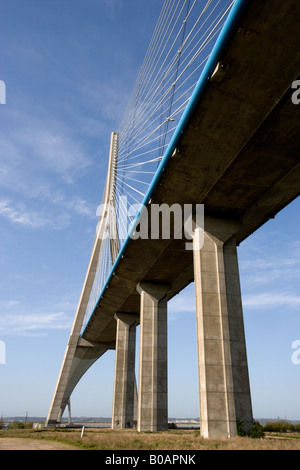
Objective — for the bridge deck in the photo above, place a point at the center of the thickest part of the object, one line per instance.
(239, 156)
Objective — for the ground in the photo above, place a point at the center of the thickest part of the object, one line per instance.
(12, 443)
(107, 439)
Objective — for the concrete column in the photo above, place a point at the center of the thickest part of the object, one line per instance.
(69, 412)
(153, 380)
(224, 389)
(124, 384)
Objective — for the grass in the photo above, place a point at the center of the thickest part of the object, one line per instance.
(107, 439)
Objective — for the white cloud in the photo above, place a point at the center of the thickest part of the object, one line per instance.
(57, 151)
(38, 156)
(28, 320)
(34, 324)
(107, 102)
(32, 145)
(10, 304)
(45, 207)
(182, 304)
(271, 299)
(113, 6)
(81, 207)
(18, 214)
(75, 204)
(266, 264)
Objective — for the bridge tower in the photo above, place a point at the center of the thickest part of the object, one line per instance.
(70, 371)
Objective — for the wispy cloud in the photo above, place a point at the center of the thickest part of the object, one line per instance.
(271, 299)
(261, 265)
(57, 198)
(32, 145)
(19, 214)
(109, 99)
(270, 273)
(34, 325)
(182, 304)
(113, 6)
(27, 320)
(57, 151)
(41, 158)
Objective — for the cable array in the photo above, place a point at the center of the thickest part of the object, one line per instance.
(180, 46)
(182, 41)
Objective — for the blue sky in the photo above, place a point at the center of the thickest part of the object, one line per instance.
(69, 67)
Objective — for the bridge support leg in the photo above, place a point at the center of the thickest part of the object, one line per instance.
(124, 384)
(153, 383)
(69, 412)
(224, 389)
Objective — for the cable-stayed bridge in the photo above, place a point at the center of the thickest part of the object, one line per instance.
(210, 124)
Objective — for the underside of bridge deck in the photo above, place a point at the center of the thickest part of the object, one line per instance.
(239, 156)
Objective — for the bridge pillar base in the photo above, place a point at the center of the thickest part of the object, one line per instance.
(153, 380)
(51, 424)
(224, 389)
(124, 384)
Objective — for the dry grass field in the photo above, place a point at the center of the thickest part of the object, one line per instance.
(189, 440)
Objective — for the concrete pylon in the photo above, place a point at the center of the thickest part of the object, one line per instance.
(124, 383)
(224, 389)
(153, 377)
(61, 394)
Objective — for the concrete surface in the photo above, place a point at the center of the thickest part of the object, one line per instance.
(224, 389)
(124, 381)
(153, 360)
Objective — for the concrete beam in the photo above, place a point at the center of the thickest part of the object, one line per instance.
(153, 380)
(224, 390)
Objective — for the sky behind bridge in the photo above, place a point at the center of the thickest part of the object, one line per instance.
(69, 67)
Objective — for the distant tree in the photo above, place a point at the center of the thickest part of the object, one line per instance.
(297, 427)
(279, 426)
(17, 424)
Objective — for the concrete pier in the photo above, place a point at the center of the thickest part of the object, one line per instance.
(124, 383)
(224, 389)
(153, 380)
